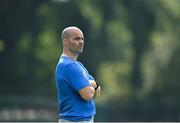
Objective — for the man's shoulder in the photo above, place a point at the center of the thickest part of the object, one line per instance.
(66, 63)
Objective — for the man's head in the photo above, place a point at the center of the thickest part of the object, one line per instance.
(73, 39)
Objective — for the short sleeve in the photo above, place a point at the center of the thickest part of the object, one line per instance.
(90, 77)
(75, 77)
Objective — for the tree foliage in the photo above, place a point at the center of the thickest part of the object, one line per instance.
(131, 47)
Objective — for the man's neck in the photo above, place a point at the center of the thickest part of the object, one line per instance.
(70, 55)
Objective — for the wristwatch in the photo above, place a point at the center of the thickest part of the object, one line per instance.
(97, 85)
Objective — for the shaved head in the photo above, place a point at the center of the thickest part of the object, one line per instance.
(72, 40)
(67, 32)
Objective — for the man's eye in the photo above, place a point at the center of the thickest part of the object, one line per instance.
(78, 38)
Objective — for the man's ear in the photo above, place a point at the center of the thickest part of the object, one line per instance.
(65, 42)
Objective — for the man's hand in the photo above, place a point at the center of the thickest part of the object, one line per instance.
(98, 92)
(94, 85)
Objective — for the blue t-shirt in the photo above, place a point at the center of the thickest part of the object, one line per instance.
(71, 77)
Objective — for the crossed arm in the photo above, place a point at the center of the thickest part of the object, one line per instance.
(89, 92)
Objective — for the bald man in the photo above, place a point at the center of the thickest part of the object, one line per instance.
(75, 86)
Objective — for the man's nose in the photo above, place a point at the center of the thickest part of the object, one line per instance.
(81, 41)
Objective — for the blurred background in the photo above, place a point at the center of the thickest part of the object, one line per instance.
(132, 48)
